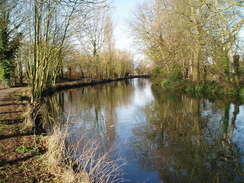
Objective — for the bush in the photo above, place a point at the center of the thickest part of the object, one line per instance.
(173, 80)
(211, 89)
(175, 76)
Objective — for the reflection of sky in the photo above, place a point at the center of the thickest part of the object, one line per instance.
(143, 96)
(130, 116)
(133, 114)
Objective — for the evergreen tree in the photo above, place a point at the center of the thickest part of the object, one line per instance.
(9, 38)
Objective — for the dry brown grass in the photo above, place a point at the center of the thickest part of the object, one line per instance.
(82, 162)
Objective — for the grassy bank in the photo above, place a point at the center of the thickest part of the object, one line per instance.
(208, 89)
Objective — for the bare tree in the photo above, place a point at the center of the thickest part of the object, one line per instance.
(189, 37)
(49, 28)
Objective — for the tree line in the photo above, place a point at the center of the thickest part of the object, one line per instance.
(42, 41)
(196, 40)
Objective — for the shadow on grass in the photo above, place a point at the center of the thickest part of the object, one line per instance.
(2, 137)
(11, 112)
(11, 104)
(4, 162)
(11, 121)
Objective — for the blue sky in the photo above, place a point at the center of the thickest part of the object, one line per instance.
(122, 15)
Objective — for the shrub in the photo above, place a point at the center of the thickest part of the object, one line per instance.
(173, 80)
(175, 76)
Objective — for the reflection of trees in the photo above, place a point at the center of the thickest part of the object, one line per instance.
(187, 141)
(93, 107)
(50, 112)
(141, 83)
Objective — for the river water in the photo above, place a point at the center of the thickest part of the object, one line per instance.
(164, 137)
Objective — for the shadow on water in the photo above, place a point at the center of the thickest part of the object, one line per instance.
(181, 139)
(189, 139)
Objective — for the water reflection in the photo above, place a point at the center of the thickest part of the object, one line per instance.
(91, 109)
(164, 137)
(189, 140)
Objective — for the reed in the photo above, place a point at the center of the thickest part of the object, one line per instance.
(82, 162)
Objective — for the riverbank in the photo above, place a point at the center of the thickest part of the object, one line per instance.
(23, 153)
(86, 82)
(208, 89)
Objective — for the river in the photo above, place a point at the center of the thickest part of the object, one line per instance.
(163, 137)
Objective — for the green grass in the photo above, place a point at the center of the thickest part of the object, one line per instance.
(25, 149)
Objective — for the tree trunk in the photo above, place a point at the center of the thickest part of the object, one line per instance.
(236, 66)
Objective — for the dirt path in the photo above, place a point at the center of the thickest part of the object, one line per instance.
(12, 106)
(8, 91)
(21, 152)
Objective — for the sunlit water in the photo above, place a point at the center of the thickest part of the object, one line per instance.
(164, 137)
